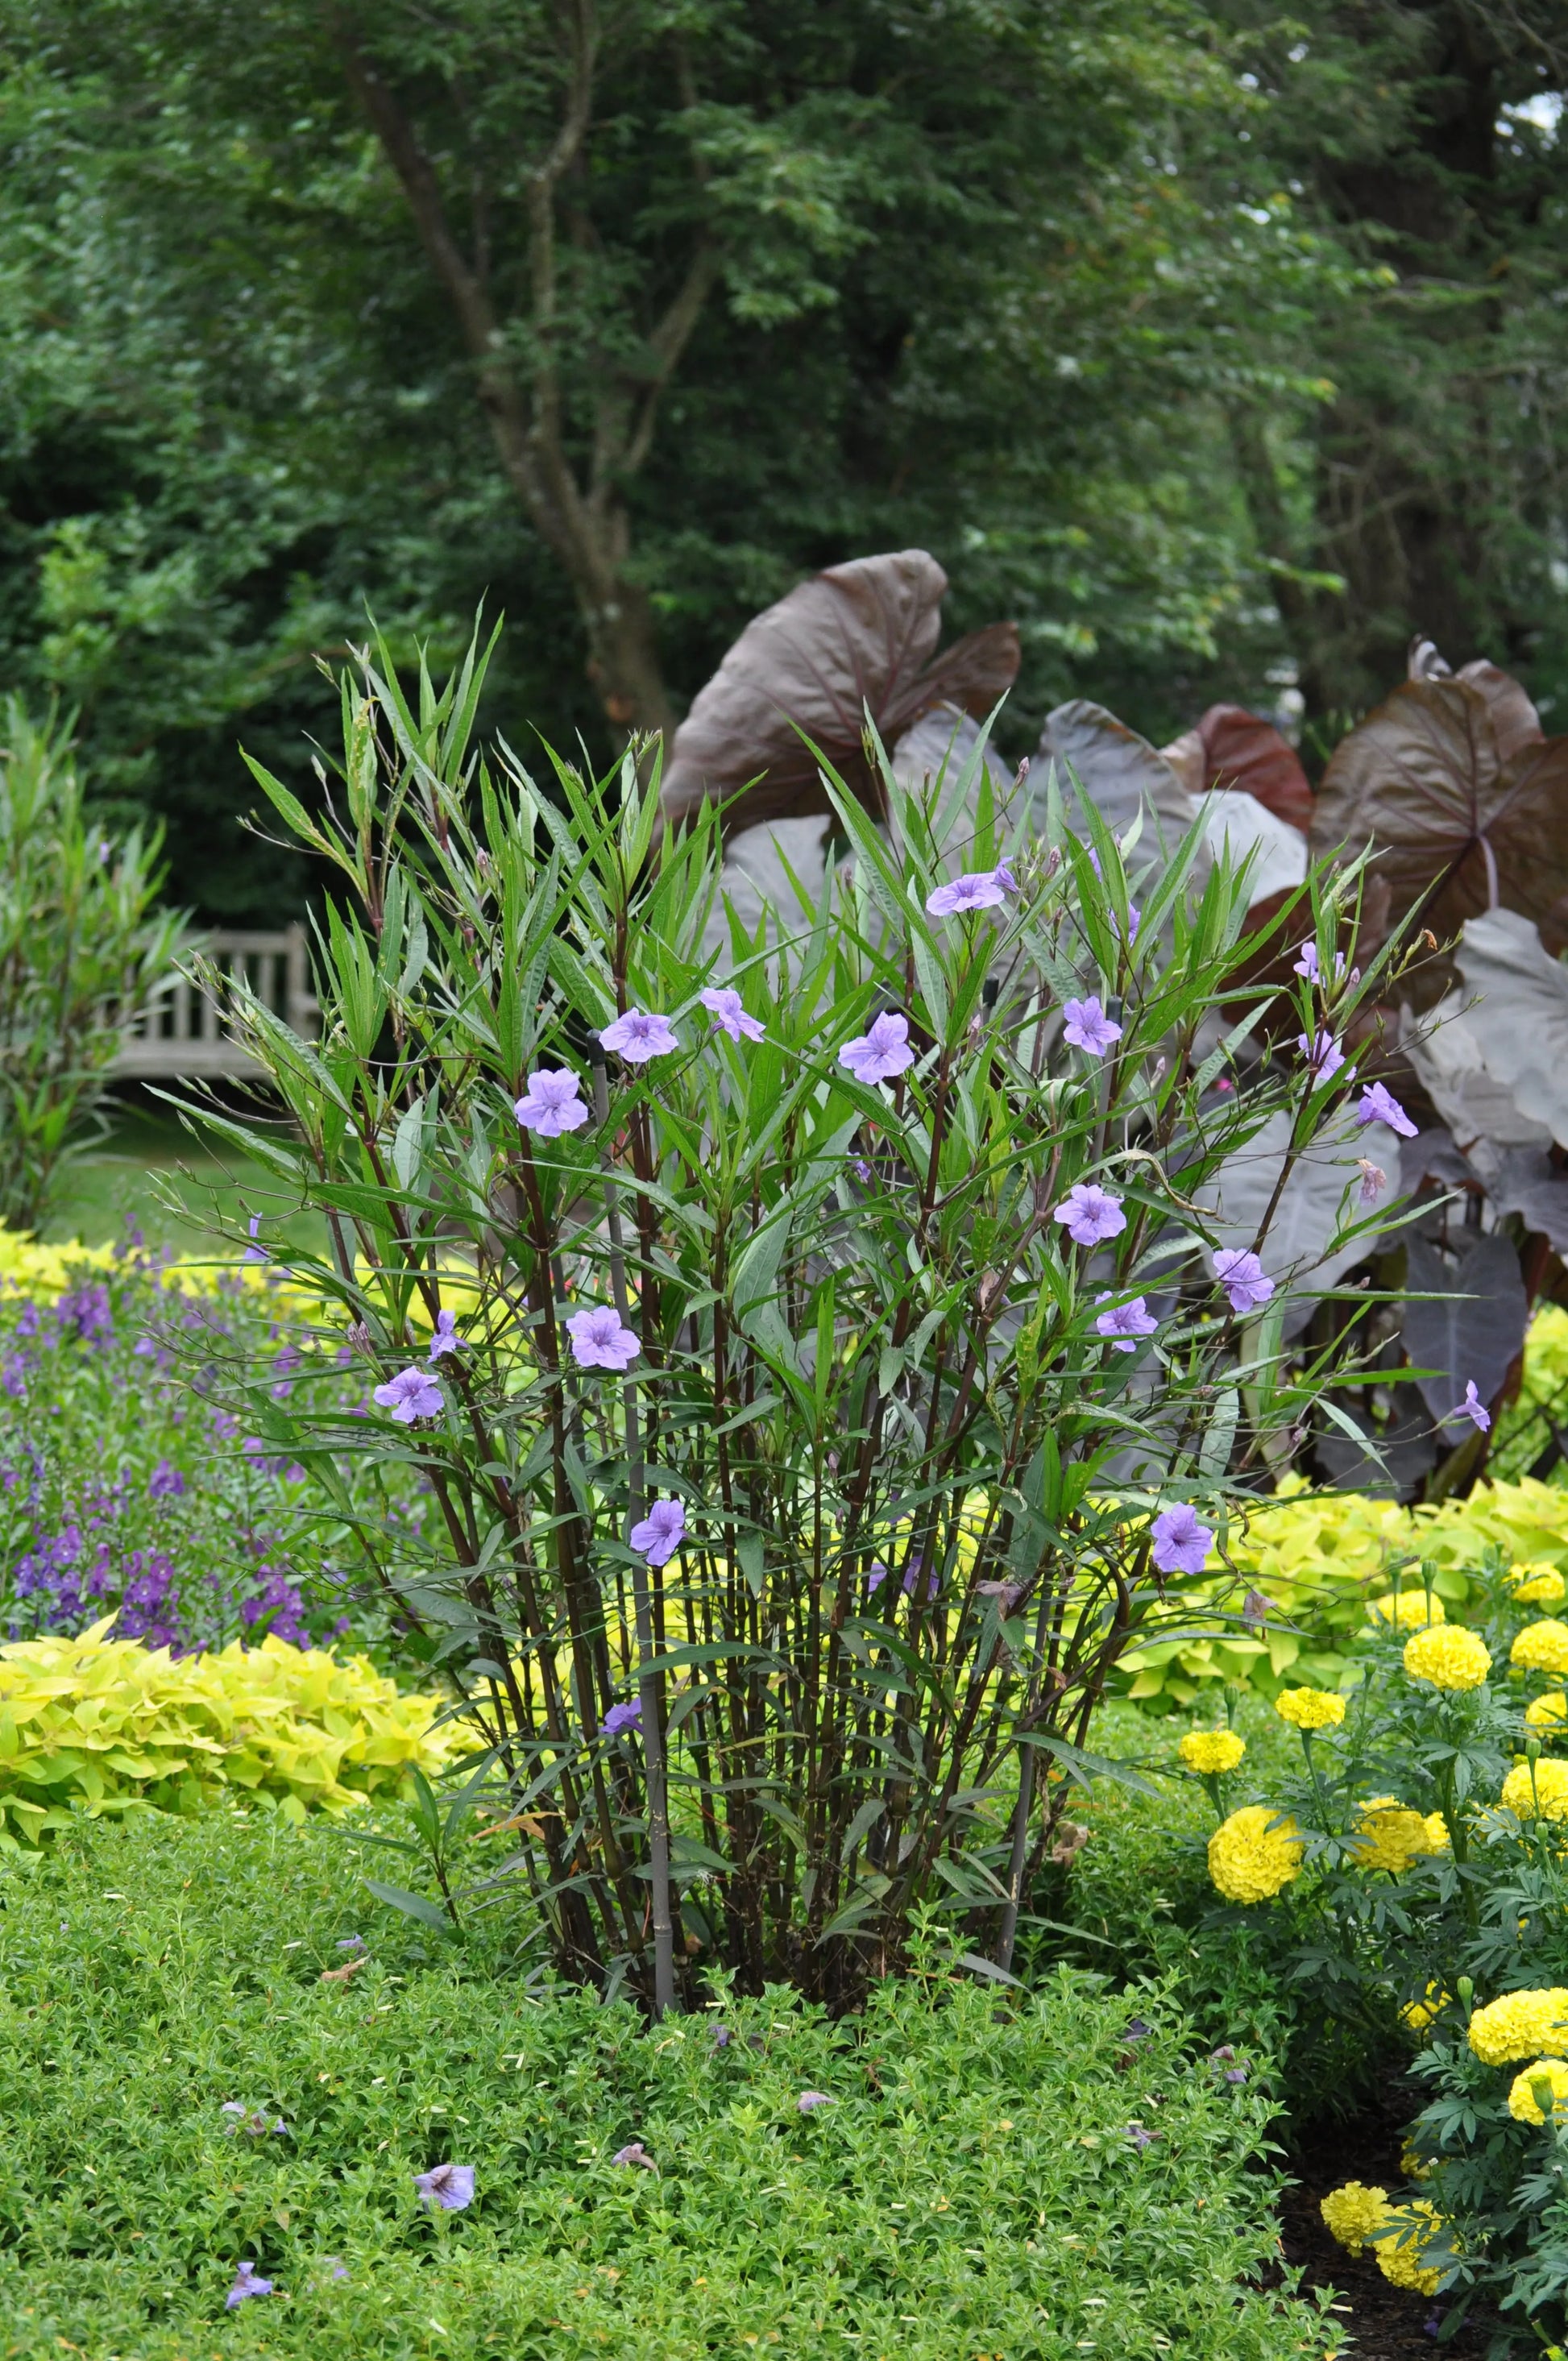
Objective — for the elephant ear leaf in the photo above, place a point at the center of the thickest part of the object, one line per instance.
(1242, 751)
(1122, 774)
(1469, 1326)
(1456, 826)
(860, 635)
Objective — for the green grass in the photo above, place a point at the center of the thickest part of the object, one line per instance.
(973, 2192)
(182, 1195)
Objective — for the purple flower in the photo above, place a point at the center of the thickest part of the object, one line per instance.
(1307, 964)
(335, 2266)
(1133, 916)
(246, 2282)
(722, 2036)
(881, 1052)
(1374, 1179)
(728, 1014)
(1244, 1278)
(627, 1715)
(977, 889)
(637, 1036)
(1235, 2074)
(351, 1942)
(635, 2153)
(413, 1393)
(1472, 1408)
(1089, 1214)
(445, 1339)
(1379, 1106)
(661, 1532)
(448, 2186)
(598, 1340)
(1124, 1323)
(1139, 2139)
(253, 1252)
(1180, 1542)
(809, 2100)
(1088, 1027)
(550, 1106)
(166, 1482)
(1324, 1055)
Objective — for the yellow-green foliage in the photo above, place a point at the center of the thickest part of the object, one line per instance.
(1316, 1558)
(101, 1725)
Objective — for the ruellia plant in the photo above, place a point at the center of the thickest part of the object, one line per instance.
(821, 1375)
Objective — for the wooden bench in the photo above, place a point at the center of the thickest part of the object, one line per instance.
(186, 1031)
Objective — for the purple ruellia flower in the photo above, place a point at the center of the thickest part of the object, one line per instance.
(637, 1036)
(1374, 1179)
(1089, 1214)
(728, 1011)
(446, 1338)
(1472, 1408)
(627, 1715)
(1181, 1541)
(166, 1482)
(1322, 1053)
(881, 1051)
(1307, 964)
(1135, 917)
(661, 1532)
(254, 1253)
(1087, 1027)
(809, 2100)
(598, 1340)
(1125, 1323)
(448, 2186)
(247, 2281)
(413, 1393)
(977, 889)
(722, 2036)
(1379, 1106)
(351, 1942)
(1244, 1278)
(635, 2153)
(550, 1106)
(1139, 2139)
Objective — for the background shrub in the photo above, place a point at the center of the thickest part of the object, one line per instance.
(80, 948)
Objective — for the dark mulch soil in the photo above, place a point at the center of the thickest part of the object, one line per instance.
(1387, 2324)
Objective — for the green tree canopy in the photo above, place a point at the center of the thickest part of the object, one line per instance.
(622, 322)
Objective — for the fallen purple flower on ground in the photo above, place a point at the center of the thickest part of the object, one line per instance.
(448, 2186)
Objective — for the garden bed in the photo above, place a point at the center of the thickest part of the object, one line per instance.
(214, 2050)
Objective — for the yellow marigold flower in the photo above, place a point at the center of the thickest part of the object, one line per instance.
(1309, 1708)
(1547, 1711)
(1401, 2258)
(1524, 2104)
(1248, 1859)
(1410, 1609)
(1448, 1656)
(1418, 2014)
(1414, 2167)
(1352, 2213)
(1207, 1751)
(1532, 1788)
(1518, 2024)
(1536, 1585)
(1389, 1835)
(1541, 1647)
(1437, 1833)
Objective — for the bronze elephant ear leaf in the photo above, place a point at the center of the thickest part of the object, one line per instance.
(1462, 801)
(860, 635)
